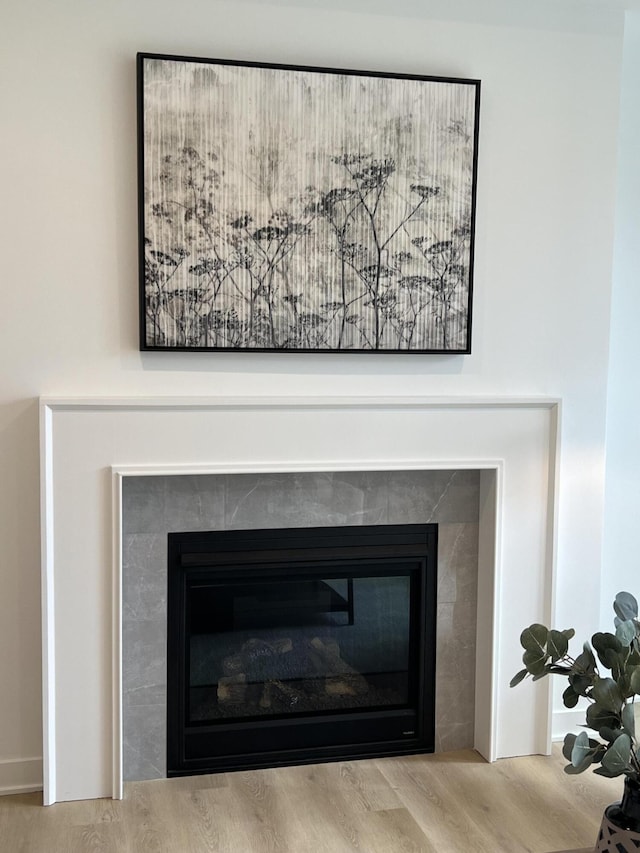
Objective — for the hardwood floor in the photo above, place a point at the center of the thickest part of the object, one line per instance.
(449, 803)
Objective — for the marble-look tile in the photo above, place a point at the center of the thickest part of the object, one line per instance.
(299, 500)
(371, 489)
(457, 562)
(195, 503)
(453, 734)
(144, 576)
(144, 654)
(143, 504)
(416, 497)
(153, 505)
(144, 739)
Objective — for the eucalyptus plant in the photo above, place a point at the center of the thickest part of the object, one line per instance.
(611, 698)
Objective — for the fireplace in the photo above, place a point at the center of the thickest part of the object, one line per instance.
(298, 645)
(91, 446)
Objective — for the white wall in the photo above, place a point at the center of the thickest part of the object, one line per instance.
(69, 267)
(621, 564)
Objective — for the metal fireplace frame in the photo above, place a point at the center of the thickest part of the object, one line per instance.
(273, 556)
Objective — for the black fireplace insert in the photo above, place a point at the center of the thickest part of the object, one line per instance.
(300, 645)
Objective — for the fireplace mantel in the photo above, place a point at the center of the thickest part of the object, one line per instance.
(89, 445)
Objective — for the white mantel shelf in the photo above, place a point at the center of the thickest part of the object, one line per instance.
(88, 445)
(314, 402)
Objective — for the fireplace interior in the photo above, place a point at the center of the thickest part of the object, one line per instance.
(299, 645)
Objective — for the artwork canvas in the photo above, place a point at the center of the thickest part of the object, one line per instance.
(304, 209)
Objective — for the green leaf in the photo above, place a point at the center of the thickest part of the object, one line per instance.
(558, 669)
(602, 771)
(626, 632)
(567, 746)
(580, 749)
(607, 695)
(572, 770)
(534, 638)
(628, 720)
(635, 679)
(581, 683)
(542, 674)
(557, 645)
(569, 633)
(518, 677)
(599, 718)
(625, 606)
(570, 697)
(534, 661)
(610, 651)
(616, 758)
(609, 734)
(603, 641)
(585, 663)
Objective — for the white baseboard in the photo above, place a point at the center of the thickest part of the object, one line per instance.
(20, 775)
(566, 720)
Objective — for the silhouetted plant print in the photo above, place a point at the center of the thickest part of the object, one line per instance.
(260, 234)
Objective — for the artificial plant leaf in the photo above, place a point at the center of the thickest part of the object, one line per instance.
(572, 770)
(607, 695)
(634, 679)
(558, 669)
(603, 641)
(616, 758)
(543, 674)
(599, 718)
(585, 662)
(608, 734)
(610, 651)
(626, 632)
(557, 645)
(567, 746)
(569, 633)
(581, 683)
(570, 697)
(518, 677)
(629, 720)
(625, 606)
(534, 661)
(534, 638)
(580, 749)
(602, 771)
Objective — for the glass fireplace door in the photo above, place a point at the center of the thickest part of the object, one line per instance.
(337, 642)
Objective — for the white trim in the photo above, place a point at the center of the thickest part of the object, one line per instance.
(488, 612)
(484, 733)
(118, 736)
(566, 720)
(552, 546)
(112, 442)
(313, 467)
(297, 402)
(20, 775)
(48, 608)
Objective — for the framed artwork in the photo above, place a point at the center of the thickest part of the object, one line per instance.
(304, 209)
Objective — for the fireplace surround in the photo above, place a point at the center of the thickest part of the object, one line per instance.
(90, 446)
(154, 506)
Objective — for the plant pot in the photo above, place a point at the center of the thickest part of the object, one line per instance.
(620, 827)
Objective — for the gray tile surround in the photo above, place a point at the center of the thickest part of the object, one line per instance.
(154, 506)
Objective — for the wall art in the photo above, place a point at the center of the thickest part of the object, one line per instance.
(304, 209)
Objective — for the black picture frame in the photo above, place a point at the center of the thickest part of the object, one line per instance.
(290, 208)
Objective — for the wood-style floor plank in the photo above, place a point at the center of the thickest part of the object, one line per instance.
(450, 803)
